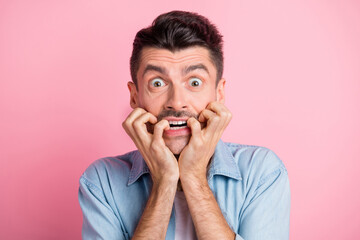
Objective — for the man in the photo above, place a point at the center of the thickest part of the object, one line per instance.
(183, 182)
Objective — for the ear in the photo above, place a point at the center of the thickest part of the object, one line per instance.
(133, 95)
(220, 91)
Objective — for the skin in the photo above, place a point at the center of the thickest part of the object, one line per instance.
(182, 81)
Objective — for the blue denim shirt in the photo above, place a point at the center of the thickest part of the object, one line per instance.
(250, 184)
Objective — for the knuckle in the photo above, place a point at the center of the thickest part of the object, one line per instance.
(211, 105)
(157, 128)
(126, 124)
(155, 146)
(136, 124)
(223, 114)
(193, 122)
(196, 123)
(159, 125)
(140, 110)
(164, 121)
(152, 145)
(216, 119)
(205, 111)
(226, 115)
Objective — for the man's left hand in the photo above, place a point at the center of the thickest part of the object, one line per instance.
(195, 157)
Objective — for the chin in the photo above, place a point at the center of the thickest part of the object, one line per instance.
(177, 145)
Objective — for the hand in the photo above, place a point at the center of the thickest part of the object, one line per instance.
(158, 157)
(195, 157)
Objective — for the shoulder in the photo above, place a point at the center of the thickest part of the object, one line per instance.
(108, 169)
(255, 161)
(251, 154)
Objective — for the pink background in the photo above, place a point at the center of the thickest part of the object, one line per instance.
(293, 71)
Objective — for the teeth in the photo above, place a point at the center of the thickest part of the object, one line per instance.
(174, 128)
(177, 122)
(177, 125)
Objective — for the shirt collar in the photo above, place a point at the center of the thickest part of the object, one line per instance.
(222, 163)
(138, 168)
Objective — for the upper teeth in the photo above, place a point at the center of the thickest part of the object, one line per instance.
(177, 122)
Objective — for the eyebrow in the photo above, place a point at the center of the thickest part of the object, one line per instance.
(195, 67)
(150, 67)
(188, 69)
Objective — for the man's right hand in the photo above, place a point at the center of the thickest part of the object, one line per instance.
(158, 157)
(164, 173)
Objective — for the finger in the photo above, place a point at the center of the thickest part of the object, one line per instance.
(140, 127)
(222, 111)
(217, 107)
(127, 124)
(195, 127)
(217, 119)
(205, 115)
(135, 114)
(159, 129)
(213, 126)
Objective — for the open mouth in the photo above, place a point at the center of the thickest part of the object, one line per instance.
(174, 125)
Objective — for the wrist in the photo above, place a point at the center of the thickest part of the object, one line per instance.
(193, 179)
(193, 173)
(166, 182)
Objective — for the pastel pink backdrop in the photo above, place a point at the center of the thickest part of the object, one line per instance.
(293, 85)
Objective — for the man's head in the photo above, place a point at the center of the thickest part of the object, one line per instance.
(176, 67)
(176, 31)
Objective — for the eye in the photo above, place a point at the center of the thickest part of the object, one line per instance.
(195, 82)
(157, 82)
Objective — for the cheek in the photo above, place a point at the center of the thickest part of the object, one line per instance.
(199, 102)
(152, 103)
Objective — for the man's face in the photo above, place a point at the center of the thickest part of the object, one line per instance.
(175, 86)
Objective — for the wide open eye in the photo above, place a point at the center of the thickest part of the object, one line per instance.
(195, 82)
(157, 82)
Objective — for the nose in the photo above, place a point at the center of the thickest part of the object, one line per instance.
(177, 99)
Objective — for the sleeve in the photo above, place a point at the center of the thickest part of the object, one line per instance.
(99, 220)
(267, 214)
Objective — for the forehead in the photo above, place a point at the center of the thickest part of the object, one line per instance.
(190, 55)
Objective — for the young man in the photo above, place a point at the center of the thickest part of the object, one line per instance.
(183, 182)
